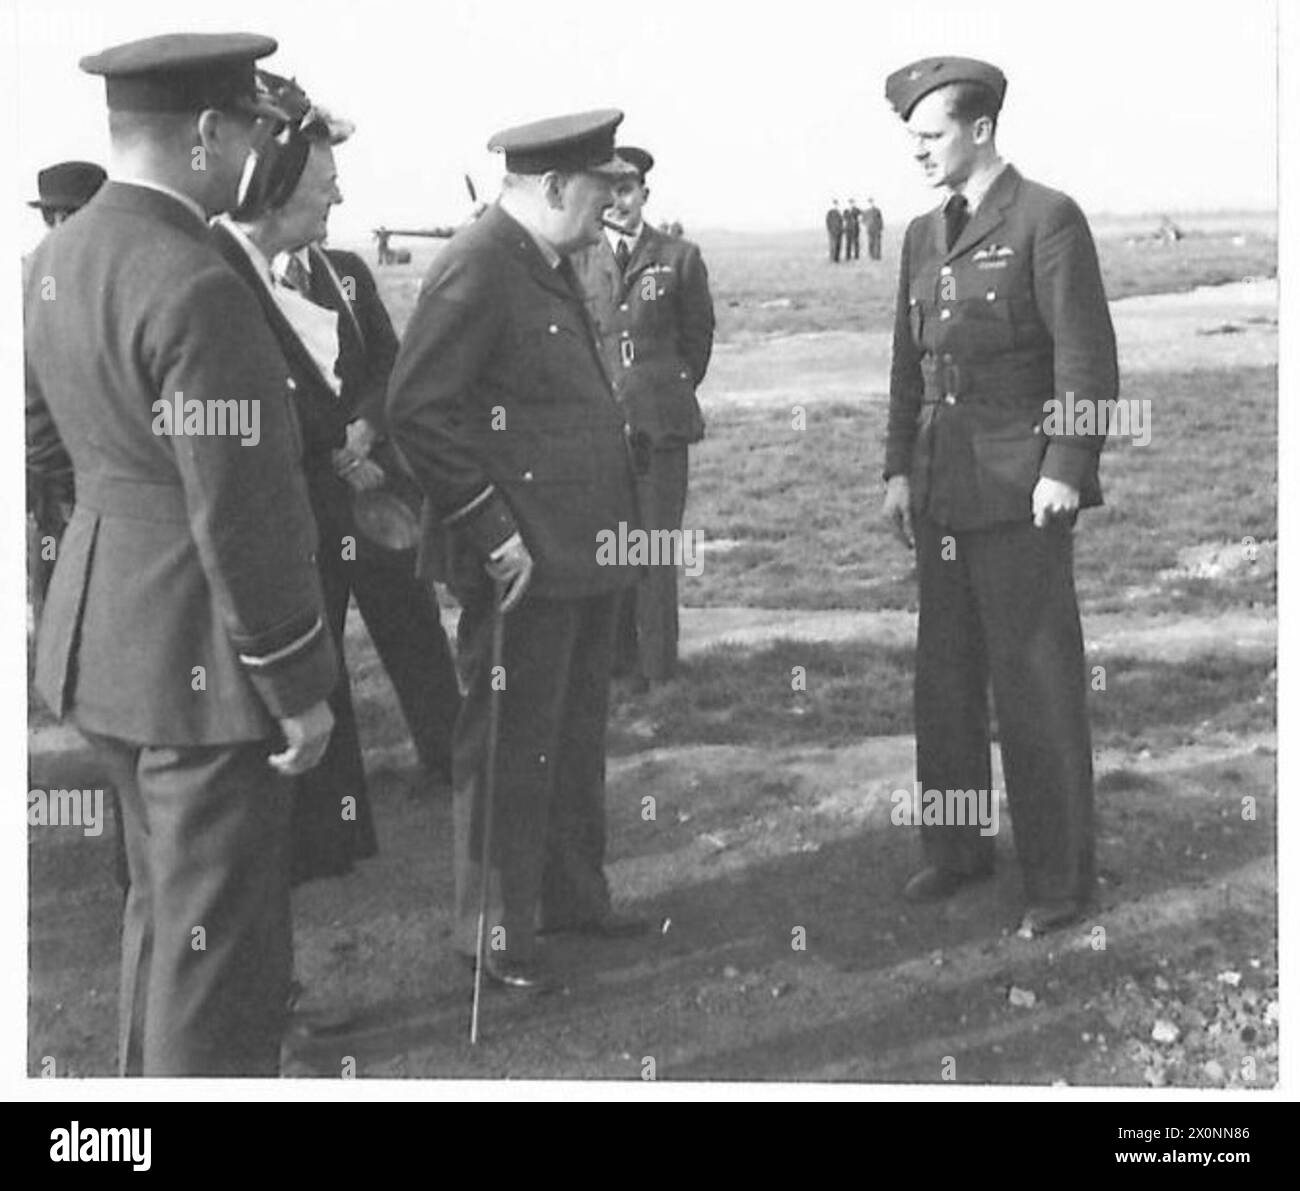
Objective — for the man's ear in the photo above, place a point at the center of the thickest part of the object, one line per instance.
(553, 188)
(209, 129)
(645, 194)
(982, 131)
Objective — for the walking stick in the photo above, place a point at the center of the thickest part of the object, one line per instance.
(489, 791)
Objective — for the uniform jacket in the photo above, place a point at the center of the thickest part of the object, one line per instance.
(655, 322)
(852, 221)
(501, 406)
(873, 220)
(986, 334)
(834, 222)
(173, 559)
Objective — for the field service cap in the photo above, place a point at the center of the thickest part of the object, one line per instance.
(184, 72)
(580, 143)
(639, 158)
(907, 87)
(67, 186)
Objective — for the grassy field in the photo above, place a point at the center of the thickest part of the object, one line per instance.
(782, 284)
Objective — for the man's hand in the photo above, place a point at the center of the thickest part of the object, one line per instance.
(361, 437)
(898, 508)
(1054, 499)
(307, 736)
(513, 566)
(361, 474)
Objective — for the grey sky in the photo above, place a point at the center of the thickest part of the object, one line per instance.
(759, 112)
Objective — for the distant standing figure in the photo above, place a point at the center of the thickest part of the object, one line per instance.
(875, 222)
(852, 231)
(834, 230)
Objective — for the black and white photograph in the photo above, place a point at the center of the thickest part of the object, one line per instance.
(572, 547)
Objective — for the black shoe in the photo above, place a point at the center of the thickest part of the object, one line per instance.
(518, 974)
(609, 926)
(1042, 919)
(933, 884)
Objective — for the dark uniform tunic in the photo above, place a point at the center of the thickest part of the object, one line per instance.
(655, 320)
(184, 616)
(501, 406)
(986, 333)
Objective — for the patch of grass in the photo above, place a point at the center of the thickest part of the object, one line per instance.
(739, 696)
(805, 503)
(780, 283)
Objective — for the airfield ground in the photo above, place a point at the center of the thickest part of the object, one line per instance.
(772, 806)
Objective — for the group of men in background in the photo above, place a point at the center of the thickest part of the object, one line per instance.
(844, 230)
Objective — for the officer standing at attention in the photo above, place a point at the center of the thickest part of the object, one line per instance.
(875, 222)
(1000, 310)
(501, 405)
(852, 231)
(183, 631)
(834, 231)
(648, 294)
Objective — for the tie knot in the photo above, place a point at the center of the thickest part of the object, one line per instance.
(295, 275)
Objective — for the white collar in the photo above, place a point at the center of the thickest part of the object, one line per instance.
(978, 185)
(183, 199)
(631, 239)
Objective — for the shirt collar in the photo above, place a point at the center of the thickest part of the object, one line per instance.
(979, 184)
(281, 262)
(631, 239)
(183, 199)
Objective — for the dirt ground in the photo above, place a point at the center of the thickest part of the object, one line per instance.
(784, 951)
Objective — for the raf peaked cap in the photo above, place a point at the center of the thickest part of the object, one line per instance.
(907, 87)
(642, 161)
(184, 72)
(68, 186)
(579, 143)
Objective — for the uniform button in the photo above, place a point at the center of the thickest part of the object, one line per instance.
(945, 313)
(991, 295)
(949, 399)
(947, 357)
(911, 302)
(528, 475)
(290, 384)
(554, 330)
(623, 308)
(625, 334)
(946, 271)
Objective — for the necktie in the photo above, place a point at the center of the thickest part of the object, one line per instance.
(622, 254)
(296, 276)
(955, 217)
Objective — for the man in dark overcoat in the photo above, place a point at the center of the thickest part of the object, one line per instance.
(500, 404)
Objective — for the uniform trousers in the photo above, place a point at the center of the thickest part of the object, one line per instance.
(648, 619)
(547, 846)
(206, 937)
(1001, 609)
